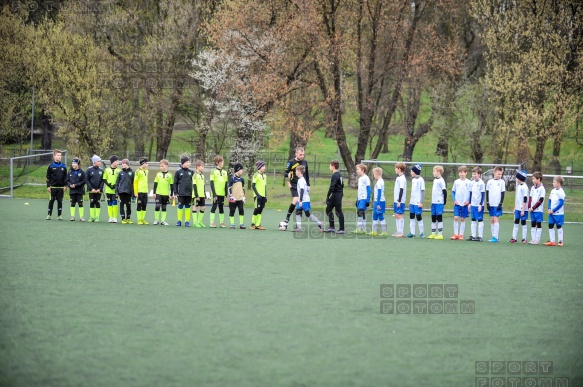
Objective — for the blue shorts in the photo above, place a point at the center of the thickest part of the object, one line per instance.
(361, 204)
(306, 206)
(559, 220)
(494, 211)
(377, 211)
(460, 211)
(517, 215)
(415, 209)
(536, 216)
(399, 210)
(437, 209)
(477, 215)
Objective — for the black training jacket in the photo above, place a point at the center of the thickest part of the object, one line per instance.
(77, 177)
(56, 175)
(125, 182)
(94, 178)
(183, 182)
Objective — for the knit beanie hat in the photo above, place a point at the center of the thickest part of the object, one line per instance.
(521, 175)
(417, 169)
(260, 164)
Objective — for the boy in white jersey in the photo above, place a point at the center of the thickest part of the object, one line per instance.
(416, 201)
(363, 198)
(379, 204)
(556, 211)
(535, 207)
(494, 200)
(461, 203)
(303, 204)
(520, 207)
(399, 198)
(438, 201)
(477, 197)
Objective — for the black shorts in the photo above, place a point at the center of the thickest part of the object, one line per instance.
(162, 199)
(57, 193)
(76, 198)
(294, 192)
(200, 202)
(184, 200)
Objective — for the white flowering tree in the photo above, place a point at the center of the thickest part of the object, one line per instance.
(225, 102)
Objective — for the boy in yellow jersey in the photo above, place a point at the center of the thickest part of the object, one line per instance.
(109, 178)
(260, 194)
(199, 195)
(219, 179)
(141, 190)
(183, 190)
(237, 196)
(163, 190)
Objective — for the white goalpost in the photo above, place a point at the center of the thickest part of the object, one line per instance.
(26, 170)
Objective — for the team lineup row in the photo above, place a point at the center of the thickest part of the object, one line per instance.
(471, 197)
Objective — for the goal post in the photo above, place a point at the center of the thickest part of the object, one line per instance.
(25, 170)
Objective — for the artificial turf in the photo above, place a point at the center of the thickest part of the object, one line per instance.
(128, 305)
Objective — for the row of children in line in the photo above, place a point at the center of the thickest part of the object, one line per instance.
(184, 186)
(470, 198)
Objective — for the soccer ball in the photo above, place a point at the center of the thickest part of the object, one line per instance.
(282, 226)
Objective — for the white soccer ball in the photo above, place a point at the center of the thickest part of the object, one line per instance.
(282, 226)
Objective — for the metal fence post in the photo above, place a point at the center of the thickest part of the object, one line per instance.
(11, 178)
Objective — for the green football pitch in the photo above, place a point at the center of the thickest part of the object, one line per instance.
(97, 304)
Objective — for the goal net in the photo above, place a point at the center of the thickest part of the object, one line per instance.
(21, 171)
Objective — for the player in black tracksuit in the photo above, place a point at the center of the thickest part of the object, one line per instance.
(290, 172)
(183, 187)
(76, 184)
(334, 198)
(94, 179)
(56, 183)
(124, 189)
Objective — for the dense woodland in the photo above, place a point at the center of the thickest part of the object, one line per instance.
(496, 77)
